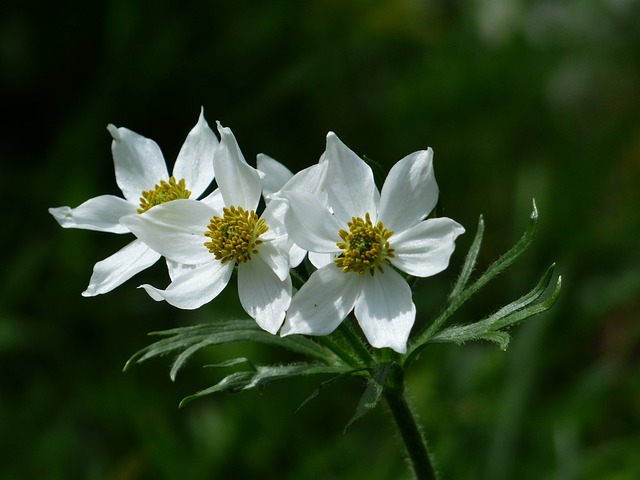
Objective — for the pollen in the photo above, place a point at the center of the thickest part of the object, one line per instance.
(163, 193)
(235, 235)
(365, 247)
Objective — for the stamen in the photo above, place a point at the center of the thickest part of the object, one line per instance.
(234, 236)
(365, 247)
(163, 193)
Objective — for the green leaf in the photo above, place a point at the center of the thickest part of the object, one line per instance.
(465, 294)
(469, 262)
(509, 315)
(322, 385)
(191, 339)
(232, 362)
(263, 375)
(372, 393)
(501, 338)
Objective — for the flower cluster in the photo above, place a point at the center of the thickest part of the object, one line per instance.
(363, 243)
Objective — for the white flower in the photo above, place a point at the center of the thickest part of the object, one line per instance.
(141, 174)
(364, 236)
(214, 238)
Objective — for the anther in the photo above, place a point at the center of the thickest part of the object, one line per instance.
(234, 236)
(162, 193)
(365, 247)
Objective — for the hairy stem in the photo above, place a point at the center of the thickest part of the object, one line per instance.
(414, 441)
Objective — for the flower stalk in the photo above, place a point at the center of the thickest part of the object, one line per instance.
(356, 343)
(414, 441)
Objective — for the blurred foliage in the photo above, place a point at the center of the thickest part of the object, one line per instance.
(518, 98)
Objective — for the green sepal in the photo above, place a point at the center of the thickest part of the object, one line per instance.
(189, 340)
(262, 375)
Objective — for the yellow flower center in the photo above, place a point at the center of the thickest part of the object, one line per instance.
(234, 236)
(365, 247)
(163, 193)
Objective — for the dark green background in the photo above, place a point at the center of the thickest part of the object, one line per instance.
(518, 99)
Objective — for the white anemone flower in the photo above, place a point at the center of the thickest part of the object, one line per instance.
(365, 236)
(213, 239)
(143, 178)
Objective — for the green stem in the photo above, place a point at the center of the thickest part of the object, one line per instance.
(414, 441)
(356, 343)
(350, 349)
(336, 348)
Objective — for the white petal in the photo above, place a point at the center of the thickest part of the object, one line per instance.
(310, 180)
(349, 182)
(310, 224)
(319, 260)
(195, 287)
(275, 174)
(385, 310)
(296, 255)
(101, 213)
(176, 269)
(275, 254)
(120, 267)
(215, 201)
(263, 295)
(323, 302)
(425, 249)
(175, 229)
(238, 181)
(138, 162)
(274, 216)
(410, 192)
(195, 160)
